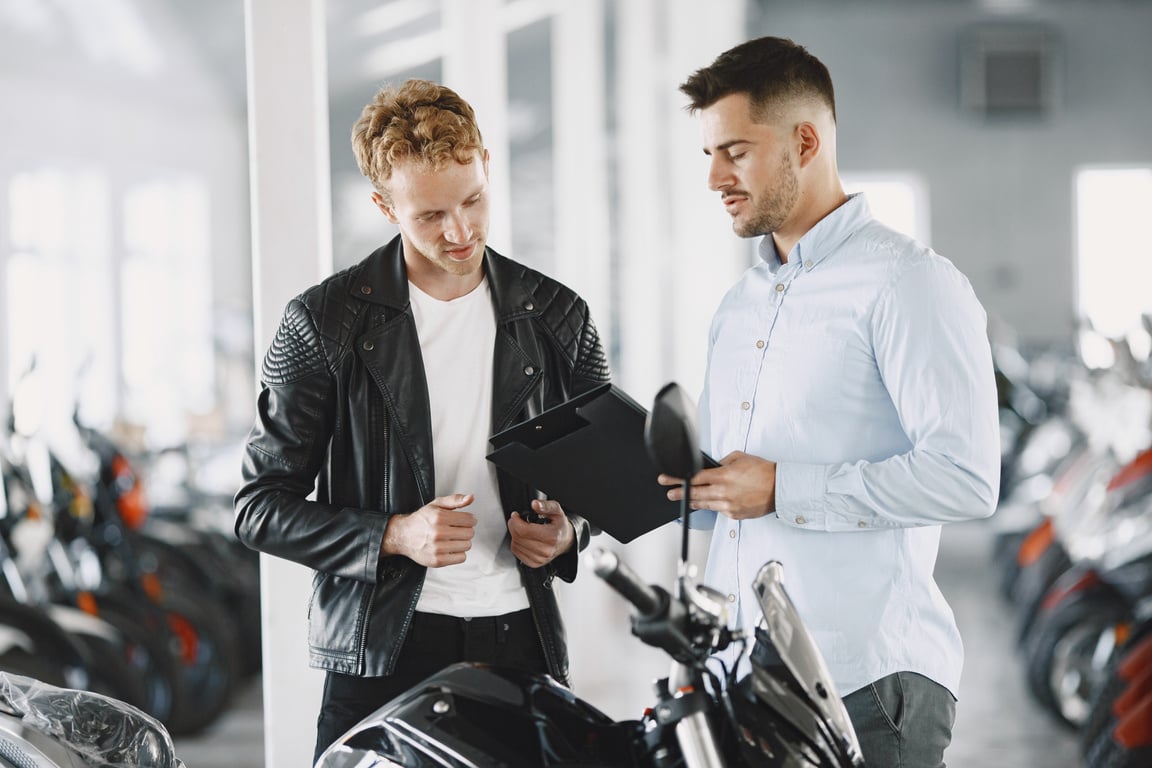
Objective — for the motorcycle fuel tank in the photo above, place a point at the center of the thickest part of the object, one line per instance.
(472, 715)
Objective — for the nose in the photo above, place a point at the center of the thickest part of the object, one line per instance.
(719, 174)
(457, 230)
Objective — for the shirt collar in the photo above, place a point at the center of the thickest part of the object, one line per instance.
(824, 237)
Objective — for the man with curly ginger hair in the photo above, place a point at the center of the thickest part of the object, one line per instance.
(379, 393)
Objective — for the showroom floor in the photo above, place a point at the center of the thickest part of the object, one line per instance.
(997, 724)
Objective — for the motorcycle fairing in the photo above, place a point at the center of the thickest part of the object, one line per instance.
(471, 715)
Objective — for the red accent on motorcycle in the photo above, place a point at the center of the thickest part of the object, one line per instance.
(1060, 592)
(189, 638)
(150, 582)
(1136, 660)
(1036, 543)
(1139, 467)
(1137, 691)
(131, 504)
(1135, 729)
(86, 602)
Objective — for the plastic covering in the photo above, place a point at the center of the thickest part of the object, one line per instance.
(101, 730)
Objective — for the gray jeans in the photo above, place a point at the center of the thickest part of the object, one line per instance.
(902, 721)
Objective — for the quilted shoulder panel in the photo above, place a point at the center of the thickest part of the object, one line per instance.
(315, 331)
(296, 351)
(569, 322)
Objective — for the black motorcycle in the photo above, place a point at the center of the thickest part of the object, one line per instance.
(785, 714)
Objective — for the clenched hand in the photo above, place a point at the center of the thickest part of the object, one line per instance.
(537, 544)
(438, 534)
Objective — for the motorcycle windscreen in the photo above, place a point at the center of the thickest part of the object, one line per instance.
(795, 649)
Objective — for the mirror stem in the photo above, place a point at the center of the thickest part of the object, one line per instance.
(684, 512)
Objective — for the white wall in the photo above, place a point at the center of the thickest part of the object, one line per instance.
(1001, 192)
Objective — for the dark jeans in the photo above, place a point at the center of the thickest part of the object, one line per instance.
(433, 643)
(902, 721)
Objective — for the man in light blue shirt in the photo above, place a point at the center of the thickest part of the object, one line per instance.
(850, 393)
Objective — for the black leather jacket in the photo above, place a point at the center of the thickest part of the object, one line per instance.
(343, 408)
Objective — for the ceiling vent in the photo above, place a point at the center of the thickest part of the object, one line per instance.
(1010, 70)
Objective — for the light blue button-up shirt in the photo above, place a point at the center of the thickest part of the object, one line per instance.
(862, 367)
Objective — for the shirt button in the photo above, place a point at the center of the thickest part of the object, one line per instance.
(779, 287)
(366, 290)
(861, 524)
(745, 405)
(732, 533)
(529, 370)
(529, 306)
(731, 598)
(368, 346)
(801, 520)
(760, 344)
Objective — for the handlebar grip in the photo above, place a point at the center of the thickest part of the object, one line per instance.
(624, 580)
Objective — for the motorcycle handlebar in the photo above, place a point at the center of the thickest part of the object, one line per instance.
(648, 600)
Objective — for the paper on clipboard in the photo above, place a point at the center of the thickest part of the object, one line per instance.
(588, 454)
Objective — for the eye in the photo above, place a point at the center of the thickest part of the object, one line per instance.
(472, 200)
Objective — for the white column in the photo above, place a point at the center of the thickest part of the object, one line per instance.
(580, 152)
(642, 215)
(7, 322)
(476, 66)
(291, 249)
(706, 256)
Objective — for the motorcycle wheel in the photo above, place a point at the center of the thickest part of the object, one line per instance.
(1068, 650)
(1106, 752)
(1033, 584)
(151, 653)
(111, 672)
(1005, 555)
(208, 663)
(1102, 718)
(204, 563)
(53, 652)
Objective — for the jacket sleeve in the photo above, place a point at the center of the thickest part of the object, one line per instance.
(286, 449)
(590, 370)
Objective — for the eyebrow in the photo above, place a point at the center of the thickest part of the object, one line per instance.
(479, 191)
(727, 145)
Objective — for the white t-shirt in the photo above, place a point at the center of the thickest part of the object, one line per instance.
(457, 339)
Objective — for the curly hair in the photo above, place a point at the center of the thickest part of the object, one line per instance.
(770, 70)
(421, 121)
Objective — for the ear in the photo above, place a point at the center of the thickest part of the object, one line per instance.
(807, 137)
(384, 206)
(484, 157)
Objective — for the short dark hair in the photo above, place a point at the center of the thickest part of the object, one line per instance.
(769, 69)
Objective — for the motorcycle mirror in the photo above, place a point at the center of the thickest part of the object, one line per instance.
(670, 433)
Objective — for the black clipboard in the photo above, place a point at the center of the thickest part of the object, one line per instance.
(588, 454)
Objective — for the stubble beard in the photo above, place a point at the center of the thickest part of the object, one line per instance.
(775, 208)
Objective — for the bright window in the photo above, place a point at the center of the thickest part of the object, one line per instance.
(112, 322)
(58, 314)
(168, 356)
(899, 200)
(1114, 255)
